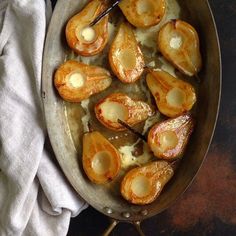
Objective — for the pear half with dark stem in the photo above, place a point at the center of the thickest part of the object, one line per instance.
(86, 40)
(179, 43)
(142, 185)
(143, 13)
(101, 160)
(173, 96)
(76, 81)
(119, 106)
(125, 56)
(169, 138)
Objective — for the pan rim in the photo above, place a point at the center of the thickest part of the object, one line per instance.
(50, 131)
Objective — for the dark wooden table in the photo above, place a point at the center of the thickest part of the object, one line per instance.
(209, 205)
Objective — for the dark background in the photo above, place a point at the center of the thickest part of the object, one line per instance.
(208, 207)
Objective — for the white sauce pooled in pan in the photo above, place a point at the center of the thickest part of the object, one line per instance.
(128, 159)
(86, 118)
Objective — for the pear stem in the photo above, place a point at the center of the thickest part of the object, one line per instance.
(198, 79)
(175, 161)
(132, 130)
(90, 127)
(107, 11)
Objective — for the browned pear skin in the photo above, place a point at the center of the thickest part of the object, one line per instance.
(173, 96)
(154, 175)
(169, 138)
(96, 79)
(179, 43)
(82, 20)
(143, 13)
(125, 56)
(120, 106)
(96, 150)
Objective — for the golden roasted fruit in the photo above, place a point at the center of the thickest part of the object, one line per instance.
(179, 43)
(168, 139)
(82, 38)
(125, 56)
(142, 185)
(76, 81)
(173, 96)
(101, 160)
(143, 13)
(120, 106)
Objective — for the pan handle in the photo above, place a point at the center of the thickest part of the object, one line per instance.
(137, 225)
(110, 227)
(113, 224)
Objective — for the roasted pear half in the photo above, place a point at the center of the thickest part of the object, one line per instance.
(173, 96)
(120, 106)
(82, 38)
(168, 139)
(101, 160)
(142, 185)
(125, 56)
(179, 43)
(76, 81)
(143, 13)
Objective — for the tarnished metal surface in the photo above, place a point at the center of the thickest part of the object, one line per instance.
(199, 14)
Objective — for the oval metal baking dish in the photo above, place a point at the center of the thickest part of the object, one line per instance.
(207, 111)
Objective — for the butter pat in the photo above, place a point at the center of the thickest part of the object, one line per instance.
(176, 42)
(76, 80)
(88, 34)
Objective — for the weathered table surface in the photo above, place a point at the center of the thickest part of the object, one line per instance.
(209, 205)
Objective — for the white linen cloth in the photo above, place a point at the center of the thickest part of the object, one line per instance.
(35, 198)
